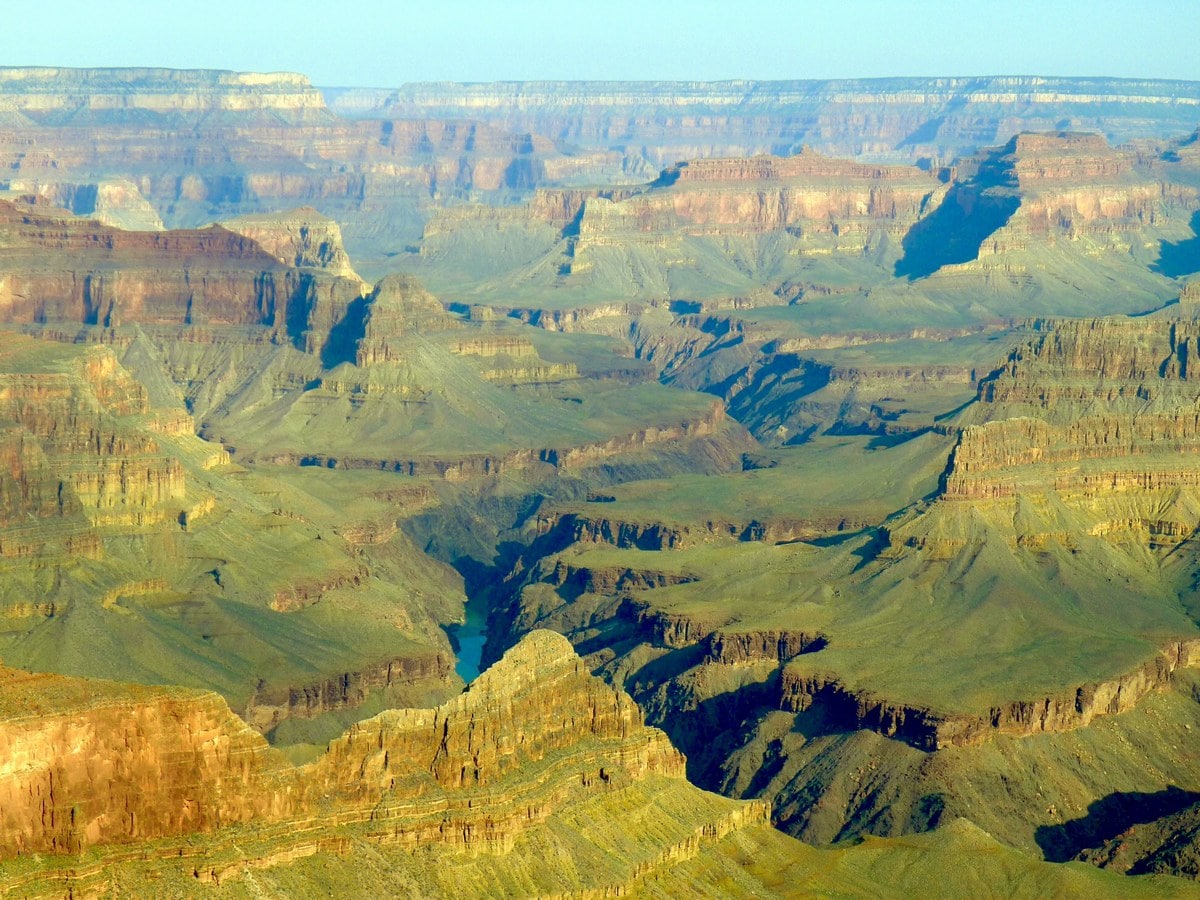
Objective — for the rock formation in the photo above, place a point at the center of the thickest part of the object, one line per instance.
(204, 145)
(107, 277)
(301, 237)
(659, 123)
(117, 521)
(800, 451)
(533, 738)
(1068, 490)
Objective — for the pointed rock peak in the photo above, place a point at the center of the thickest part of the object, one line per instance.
(404, 291)
(541, 646)
(536, 658)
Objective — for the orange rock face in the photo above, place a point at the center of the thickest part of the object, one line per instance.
(96, 763)
(763, 194)
(93, 763)
(64, 270)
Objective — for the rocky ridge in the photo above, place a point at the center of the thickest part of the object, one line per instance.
(901, 119)
(533, 737)
(1072, 460)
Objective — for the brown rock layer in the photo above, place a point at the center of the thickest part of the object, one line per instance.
(98, 763)
(930, 730)
(121, 764)
(107, 277)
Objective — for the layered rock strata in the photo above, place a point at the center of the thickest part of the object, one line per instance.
(534, 737)
(662, 122)
(102, 276)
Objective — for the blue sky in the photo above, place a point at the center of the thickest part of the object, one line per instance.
(378, 43)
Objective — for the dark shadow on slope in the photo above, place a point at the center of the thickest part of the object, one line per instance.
(711, 731)
(1108, 817)
(887, 440)
(925, 133)
(299, 307)
(342, 345)
(1180, 257)
(835, 540)
(671, 664)
(668, 176)
(954, 232)
(869, 552)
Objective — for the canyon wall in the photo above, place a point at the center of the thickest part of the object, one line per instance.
(894, 118)
(141, 780)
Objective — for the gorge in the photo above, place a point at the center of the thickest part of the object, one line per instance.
(584, 489)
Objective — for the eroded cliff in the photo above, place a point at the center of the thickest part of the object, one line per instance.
(495, 773)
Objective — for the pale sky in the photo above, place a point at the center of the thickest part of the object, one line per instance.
(385, 44)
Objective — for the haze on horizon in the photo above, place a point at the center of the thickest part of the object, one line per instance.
(372, 43)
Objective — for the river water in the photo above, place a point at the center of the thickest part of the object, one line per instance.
(470, 638)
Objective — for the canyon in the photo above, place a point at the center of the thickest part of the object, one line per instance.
(812, 464)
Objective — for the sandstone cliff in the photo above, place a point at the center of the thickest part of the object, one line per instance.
(91, 763)
(897, 118)
(497, 772)
(107, 277)
(302, 238)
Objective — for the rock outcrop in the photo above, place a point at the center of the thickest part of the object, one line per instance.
(72, 464)
(106, 277)
(94, 763)
(1089, 411)
(533, 739)
(302, 238)
(659, 123)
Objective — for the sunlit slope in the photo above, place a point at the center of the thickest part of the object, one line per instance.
(427, 391)
(1034, 610)
(134, 550)
(1047, 224)
(438, 801)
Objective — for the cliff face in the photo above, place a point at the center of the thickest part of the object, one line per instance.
(302, 238)
(535, 744)
(1011, 206)
(1076, 186)
(63, 270)
(99, 763)
(116, 201)
(45, 94)
(805, 193)
(1087, 409)
(893, 118)
(72, 463)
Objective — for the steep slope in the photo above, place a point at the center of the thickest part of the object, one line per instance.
(904, 119)
(132, 549)
(539, 779)
(1029, 609)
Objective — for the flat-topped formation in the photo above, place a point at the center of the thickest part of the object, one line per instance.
(894, 118)
(43, 92)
